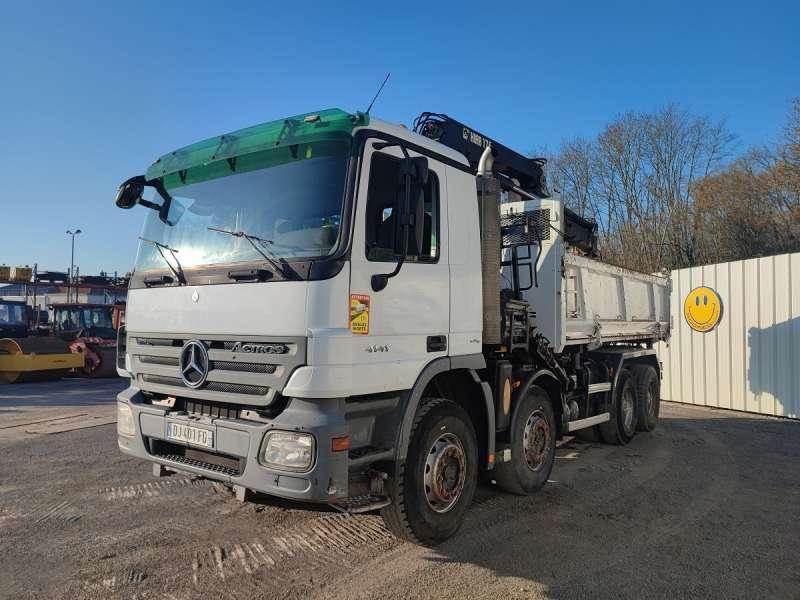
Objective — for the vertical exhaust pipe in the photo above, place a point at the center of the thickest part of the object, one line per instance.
(491, 247)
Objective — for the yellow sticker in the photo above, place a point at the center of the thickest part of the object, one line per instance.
(359, 313)
(702, 309)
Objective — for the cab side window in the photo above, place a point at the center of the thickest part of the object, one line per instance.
(383, 211)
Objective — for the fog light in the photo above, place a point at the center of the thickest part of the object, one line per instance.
(288, 450)
(125, 425)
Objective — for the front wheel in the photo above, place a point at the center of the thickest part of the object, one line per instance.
(533, 445)
(434, 486)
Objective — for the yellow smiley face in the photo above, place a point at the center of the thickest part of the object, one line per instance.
(702, 309)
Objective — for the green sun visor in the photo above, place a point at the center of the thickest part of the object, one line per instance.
(276, 142)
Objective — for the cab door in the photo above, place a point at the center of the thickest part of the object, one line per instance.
(396, 331)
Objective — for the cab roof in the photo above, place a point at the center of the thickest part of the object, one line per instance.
(420, 140)
(329, 124)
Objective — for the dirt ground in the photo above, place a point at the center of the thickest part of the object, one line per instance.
(707, 506)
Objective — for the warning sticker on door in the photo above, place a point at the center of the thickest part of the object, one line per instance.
(359, 313)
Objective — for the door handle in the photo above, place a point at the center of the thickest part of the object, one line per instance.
(437, 343)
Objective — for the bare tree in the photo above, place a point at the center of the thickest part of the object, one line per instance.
(636, 180)
(752, 207)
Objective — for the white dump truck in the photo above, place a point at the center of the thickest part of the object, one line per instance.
(334, 309)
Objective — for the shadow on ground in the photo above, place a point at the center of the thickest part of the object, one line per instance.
(61, 393)
(702, 507)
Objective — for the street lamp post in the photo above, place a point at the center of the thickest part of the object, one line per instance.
(72, 264)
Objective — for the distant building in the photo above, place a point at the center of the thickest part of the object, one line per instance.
(41, 296)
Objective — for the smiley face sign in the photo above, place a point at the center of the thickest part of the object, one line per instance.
(702, 309)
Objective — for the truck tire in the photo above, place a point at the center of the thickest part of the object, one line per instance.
(434, 486)
(621, 426)
(648, 392)
(533, 445)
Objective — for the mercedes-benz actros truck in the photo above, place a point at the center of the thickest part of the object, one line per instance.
(335, 309)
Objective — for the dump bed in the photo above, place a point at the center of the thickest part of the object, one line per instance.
(580, 300)
(608, 303)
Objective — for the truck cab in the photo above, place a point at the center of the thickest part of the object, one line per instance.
(307, 318)
(79, 319)
(14, 319)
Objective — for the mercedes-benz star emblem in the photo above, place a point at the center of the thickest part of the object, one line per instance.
(194, 363)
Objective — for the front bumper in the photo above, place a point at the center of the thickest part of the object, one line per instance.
(239, 441)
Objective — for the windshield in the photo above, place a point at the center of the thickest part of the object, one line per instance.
(12, 313)
(294, 208)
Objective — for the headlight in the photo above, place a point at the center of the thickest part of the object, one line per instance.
(125, 425)
(288, 450)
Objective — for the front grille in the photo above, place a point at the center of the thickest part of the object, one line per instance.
(158, 342)
(236, 388)
(159, 360)
(210, 461)
(250, 371)
(222, 365)
(212, 409)
(212, 386)
(163, 380)
(232, 365)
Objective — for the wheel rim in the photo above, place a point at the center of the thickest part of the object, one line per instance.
(535, 440)
(445, 473)
(628, 406)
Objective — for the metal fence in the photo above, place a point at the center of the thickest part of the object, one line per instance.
(751, 360)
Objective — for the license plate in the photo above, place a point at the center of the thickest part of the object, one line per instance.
(190, 435)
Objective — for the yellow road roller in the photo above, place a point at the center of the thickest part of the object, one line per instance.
(36, 359)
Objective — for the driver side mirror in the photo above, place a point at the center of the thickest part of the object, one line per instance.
(411, 217)
(130, 192)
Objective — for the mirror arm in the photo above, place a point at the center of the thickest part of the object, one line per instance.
(163, 210)
(380, 280)
(140, 182)
(150, 205)
(384, 145)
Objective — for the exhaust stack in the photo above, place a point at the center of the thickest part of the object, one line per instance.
(489, 213)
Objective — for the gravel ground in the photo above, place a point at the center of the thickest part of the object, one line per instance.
(706, 506)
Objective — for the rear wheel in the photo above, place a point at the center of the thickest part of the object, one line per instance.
(533, 445)
(434, 486)
(621, 426)
(648, 396)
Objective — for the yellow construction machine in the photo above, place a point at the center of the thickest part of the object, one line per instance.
(36, 359)
(82, 342)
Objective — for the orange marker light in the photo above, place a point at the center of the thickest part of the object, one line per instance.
(340, 444)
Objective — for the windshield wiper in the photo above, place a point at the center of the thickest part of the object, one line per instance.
(178, 272)
(278, 263)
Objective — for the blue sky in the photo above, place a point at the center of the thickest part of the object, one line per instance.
(91, 93)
